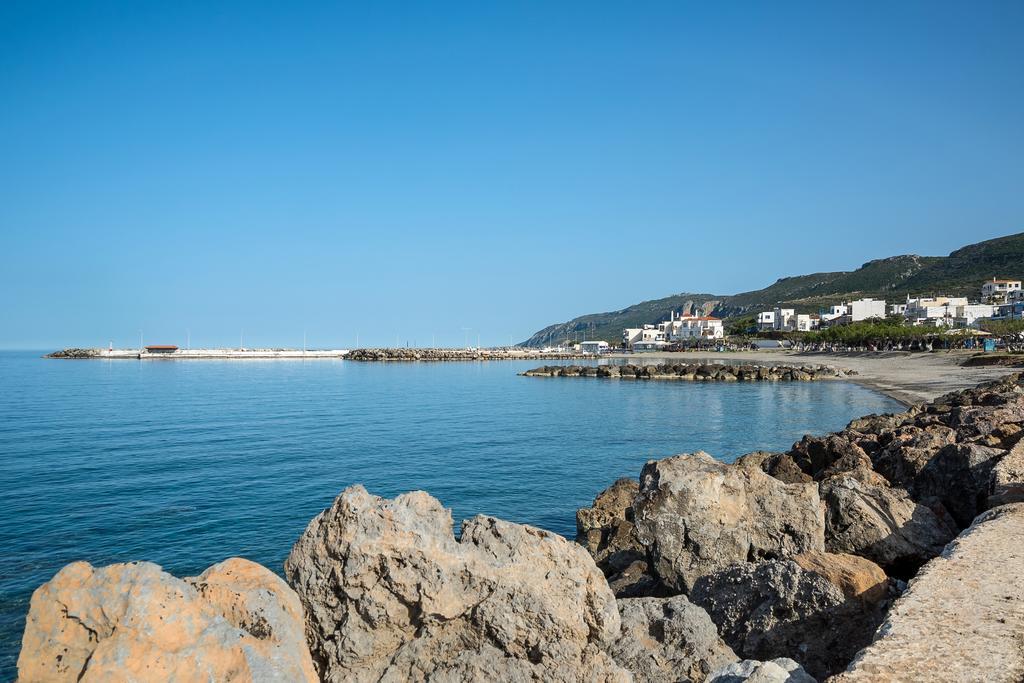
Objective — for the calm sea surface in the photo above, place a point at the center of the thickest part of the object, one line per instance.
(185, 463)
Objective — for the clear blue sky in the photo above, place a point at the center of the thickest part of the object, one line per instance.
(411, 169)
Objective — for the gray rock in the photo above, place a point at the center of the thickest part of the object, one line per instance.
(777, 609)
(695, 515)
(606, 529)
(779, 465)
(391, 595)
(665, 640)
(866, 517)
(1008, 478)
(781, 670)
(823, 456)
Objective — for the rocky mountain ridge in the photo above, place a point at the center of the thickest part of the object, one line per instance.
(893, 278)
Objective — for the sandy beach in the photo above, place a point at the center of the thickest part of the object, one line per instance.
(906, 377)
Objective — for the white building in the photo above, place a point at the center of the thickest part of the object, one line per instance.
(766, 320)
(923, 309)
(785, 319)
(862, 309)
(837, 311)
(594, 347)
(969, 314)
(807, 323)
(697, 327)
(675, 329)
(632, 336)
(999, 291)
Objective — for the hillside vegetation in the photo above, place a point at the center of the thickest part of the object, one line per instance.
(961, 274)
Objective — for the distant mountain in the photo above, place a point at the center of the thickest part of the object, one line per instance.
(961, 274)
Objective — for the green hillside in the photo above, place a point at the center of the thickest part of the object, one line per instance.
(961, 274)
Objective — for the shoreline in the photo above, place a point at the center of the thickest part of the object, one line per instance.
(907, 377)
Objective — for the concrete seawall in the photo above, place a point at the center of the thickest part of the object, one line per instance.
(189, 354)
(366, 355)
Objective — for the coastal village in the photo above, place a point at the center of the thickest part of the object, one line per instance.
(1000, 299)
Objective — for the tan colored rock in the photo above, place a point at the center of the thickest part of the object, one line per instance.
(695, 515)
(135, 622)
(391, 595)
(856, 577)
(962, 618)
(1008, 478)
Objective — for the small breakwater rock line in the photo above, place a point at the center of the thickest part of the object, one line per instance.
(75, 353)
(696, 372)
(782, 566)
(400, 354)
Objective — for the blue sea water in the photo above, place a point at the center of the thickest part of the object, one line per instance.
(185, 463)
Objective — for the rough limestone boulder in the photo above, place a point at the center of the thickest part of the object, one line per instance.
(236, 622)
(959, 476)
(779, 465)
(866, 517)
(390, 594)
(781, 670)
(820, 457)
(695, 515)
(606, 529)
(1008, 478)
(962, 618)
(856, 577)
(777, 609)
(665, 640)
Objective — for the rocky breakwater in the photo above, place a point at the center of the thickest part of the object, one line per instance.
(696, 372)
(75, 353)
(400, 354)
(383, 591)
(788, 566)
(799, 555)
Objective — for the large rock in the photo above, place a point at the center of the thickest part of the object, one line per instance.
(822, 456)
(779, 465)
(236, 622)
(665, 640)
(606, 529)
(777, 609)
(1008, 478)
(696, 515)
(959, 476)
(781, 670)
(962, 618)
(390, 594)
(856, 577)
(866, 517)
